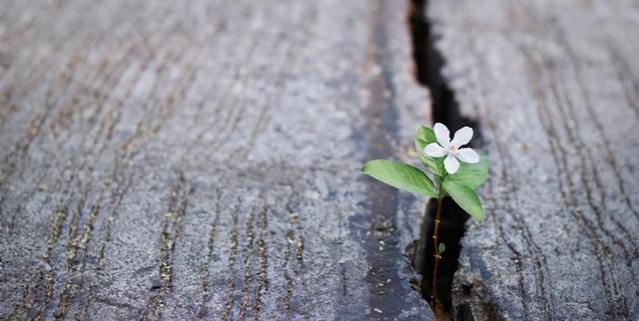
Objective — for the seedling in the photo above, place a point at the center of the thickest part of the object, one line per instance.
(454, 171)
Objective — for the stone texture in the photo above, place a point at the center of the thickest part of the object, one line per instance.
(188, 160)
(553, 85)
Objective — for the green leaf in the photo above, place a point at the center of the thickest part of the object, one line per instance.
(442, 248)
(435, 165)
(425, 136)
(471, 175)
(400, 175)
(466, 198)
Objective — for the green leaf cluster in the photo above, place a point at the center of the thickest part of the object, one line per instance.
(460, 186)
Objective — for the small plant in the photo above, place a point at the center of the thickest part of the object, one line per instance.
(442, 157)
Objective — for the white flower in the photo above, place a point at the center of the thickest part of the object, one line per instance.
(451, 148)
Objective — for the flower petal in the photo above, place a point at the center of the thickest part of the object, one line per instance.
(468, 155)
(451, 164)
(462, 136)
(442, 134)
(434, 150)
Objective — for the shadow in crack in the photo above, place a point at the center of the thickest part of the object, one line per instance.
(429, 63)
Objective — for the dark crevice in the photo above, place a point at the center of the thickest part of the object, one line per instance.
(429, 63)
(451, 230)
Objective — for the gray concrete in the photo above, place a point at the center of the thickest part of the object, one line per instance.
(554, 86)
(192, 160)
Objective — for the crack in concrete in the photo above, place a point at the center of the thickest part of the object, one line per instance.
(429, 64)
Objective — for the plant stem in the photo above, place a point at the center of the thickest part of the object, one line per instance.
(436, 256)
